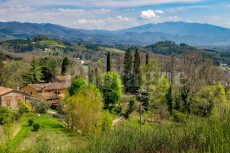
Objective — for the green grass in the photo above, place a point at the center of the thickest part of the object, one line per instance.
(197, 135)
(47, 122)
(113, 50)
(50, 43)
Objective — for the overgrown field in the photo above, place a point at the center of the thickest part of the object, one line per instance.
(197, 135)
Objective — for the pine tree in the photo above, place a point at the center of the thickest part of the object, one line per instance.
(35, 73)
(108, 66)
(127, 73)
(136, 72)
(65, 65)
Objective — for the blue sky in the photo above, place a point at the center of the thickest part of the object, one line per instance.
(115, 14)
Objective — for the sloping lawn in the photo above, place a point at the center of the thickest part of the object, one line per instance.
(51, 128)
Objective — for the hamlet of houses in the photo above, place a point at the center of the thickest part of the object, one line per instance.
(52, 92)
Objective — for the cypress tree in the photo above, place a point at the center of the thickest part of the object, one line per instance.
(170, 100)
(147, 59)
(108, 67)
(64, 66)
(136, 72)
(97, 81)
(127, 73)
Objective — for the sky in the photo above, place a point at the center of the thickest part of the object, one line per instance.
(115, 14)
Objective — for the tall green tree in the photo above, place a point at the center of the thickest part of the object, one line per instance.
(97, 77)
(34, 75)
(65, 65)
(112, 90)
(1, 72)
(169, 99)
(127, 73)
(47, 74)
(108, 65)
(147, 59)
(137, 80)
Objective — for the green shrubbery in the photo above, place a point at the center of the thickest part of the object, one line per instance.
(36, 127)
(30, 122)
(198, 135)
(39, 106)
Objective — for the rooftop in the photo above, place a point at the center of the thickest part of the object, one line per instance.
(4, 90)
(49, 86)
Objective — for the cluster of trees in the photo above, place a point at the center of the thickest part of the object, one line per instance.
(88, 108)
(15, 73)
(132, 78)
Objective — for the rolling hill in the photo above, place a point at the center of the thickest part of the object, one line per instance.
(200, 35)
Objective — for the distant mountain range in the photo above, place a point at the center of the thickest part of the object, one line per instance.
(200, 35)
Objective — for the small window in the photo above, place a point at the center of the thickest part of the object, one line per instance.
(31, 93)
(58, 93)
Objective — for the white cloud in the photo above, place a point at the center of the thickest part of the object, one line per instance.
(109, 23)
(159, 11)
(148, 14)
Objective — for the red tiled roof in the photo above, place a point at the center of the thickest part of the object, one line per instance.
(4, 90)
(49, 86)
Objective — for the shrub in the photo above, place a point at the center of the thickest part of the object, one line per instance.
(179, 117)
(36, 127)
(106, 121)
(131, 107)
(40, 106)
(84, 111)
(6, 115)
(30, 122)
(24, 107)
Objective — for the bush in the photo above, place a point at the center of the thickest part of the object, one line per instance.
(179, 117)
(36, 127)
(131, 107)
(24, 107)
(30, 122)
(40, 106)
(84, 111)
(6, 115)
(106, 121)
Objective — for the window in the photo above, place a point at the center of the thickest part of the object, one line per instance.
(31, 93)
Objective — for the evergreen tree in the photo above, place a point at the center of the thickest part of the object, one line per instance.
(170, 100)
(136, 72)
(91, 76)
(34, 75)
(97, 77)
(147, 59)
(108, 66)
(65, 65)
(47, 74)
(127, 73)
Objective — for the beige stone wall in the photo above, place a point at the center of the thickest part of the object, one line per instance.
(30, 91)
(11, 100)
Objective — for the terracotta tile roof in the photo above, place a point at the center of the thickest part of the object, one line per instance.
(49, 86)
(4, 90)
